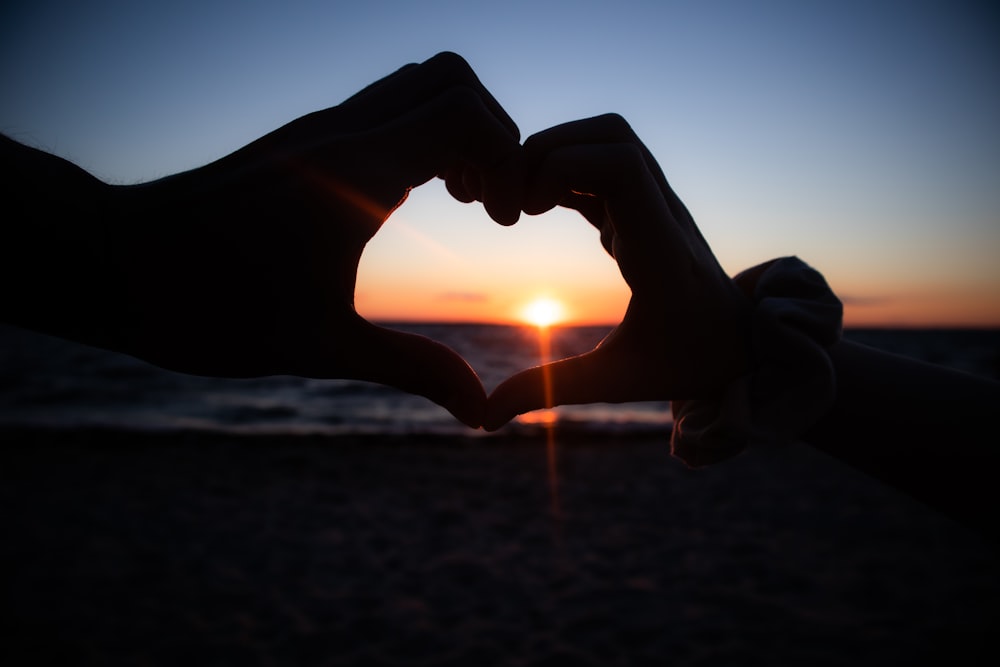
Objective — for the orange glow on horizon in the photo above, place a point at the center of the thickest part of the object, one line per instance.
(413, 303)
(382, 300)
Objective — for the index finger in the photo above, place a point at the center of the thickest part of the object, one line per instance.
(609, 128)
(413, 86)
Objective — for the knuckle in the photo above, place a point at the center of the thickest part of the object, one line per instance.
(616, 123)
(451, 65)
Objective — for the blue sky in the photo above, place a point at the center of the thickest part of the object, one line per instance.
(861, 136)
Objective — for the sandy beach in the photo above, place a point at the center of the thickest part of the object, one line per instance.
(125, 549)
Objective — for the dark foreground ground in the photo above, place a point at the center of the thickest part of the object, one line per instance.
(122, 549)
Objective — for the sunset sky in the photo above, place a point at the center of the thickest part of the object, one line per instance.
(861, 136)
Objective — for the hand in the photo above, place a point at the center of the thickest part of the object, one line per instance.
(684, 332)
(247, 266)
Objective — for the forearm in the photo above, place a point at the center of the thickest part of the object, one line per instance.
(55, 270)
(923, 429)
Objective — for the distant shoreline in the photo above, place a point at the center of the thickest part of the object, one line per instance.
(989, 328)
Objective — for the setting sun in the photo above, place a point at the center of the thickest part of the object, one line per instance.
(543, 312)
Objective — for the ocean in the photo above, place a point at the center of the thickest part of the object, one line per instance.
(51, 383)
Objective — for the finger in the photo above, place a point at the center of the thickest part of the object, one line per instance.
(451, 132)
(414, 85)
(472, 182)
(500, 188)
(596, 376)
(418, 365)
(638, 219)
(590, 207)
(359, 97)
(604, 129)
(637, 227)
(503, 189)
(607, 183)
(454, 182)
(607, 128)
(574, 173)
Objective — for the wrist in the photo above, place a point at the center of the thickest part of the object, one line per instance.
(140, 231)
(791, 382)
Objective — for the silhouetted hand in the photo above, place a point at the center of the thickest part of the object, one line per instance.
(684, 332)
(247, 266)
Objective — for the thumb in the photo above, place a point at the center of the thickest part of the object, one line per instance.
(582, 379)
(419, 365)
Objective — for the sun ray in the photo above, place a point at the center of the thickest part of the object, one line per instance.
(543, 312)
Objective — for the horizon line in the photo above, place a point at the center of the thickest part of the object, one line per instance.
(563, 325)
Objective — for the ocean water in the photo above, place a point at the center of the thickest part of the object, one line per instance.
(52, 383)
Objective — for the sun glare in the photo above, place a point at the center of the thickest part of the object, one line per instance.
(543, 312)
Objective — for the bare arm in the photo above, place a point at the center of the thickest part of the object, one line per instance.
(246, 266)
(53, 260)
(926, 430)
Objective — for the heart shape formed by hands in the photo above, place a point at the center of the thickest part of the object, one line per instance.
(683, 332)
(271, 237)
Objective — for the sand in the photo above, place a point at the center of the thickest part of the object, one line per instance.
(126, 549)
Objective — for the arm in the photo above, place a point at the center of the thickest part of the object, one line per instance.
(925, 430)
(53, 259)
(685, 329)
(247, 266)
